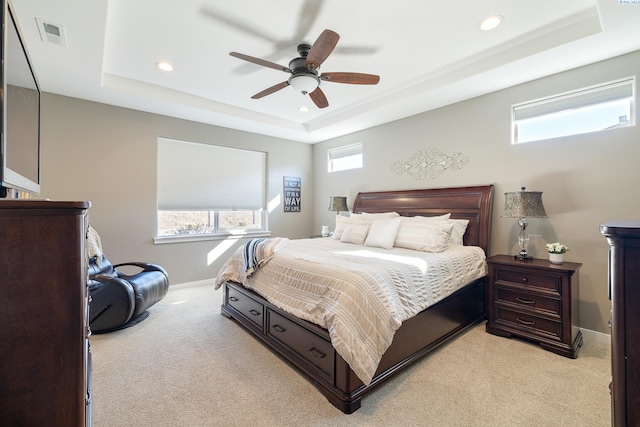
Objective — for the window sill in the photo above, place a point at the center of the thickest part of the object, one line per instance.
(162, 240)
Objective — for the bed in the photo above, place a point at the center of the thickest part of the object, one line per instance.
(309, 348)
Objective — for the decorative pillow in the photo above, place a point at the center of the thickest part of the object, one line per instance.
(383, 233)
(459, 227)
(424, 235)
(373, 216)
(342, 222)
(431, 218)
(94, 246)
(355, 233)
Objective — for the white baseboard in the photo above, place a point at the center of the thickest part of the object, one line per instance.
(599, 337)
(207, 282)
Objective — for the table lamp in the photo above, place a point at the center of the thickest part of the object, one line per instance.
(523, 204)
(337, 203)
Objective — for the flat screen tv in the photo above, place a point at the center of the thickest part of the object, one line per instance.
(20, 103)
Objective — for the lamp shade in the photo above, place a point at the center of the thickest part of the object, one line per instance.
(337, 203)
(523, 204)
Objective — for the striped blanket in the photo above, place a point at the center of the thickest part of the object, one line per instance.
(258, 251)
(361, 295)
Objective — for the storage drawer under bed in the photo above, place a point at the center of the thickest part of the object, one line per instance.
(247, 306)
(309, 346)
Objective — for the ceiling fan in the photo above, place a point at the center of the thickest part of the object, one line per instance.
(304, 70)
(307, 16)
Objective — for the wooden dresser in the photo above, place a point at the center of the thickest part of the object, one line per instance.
(44, 347)
(624, 292)
(536, 300)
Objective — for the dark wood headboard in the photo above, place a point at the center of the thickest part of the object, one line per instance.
(472, 203)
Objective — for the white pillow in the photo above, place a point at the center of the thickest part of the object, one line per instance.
(431, 218)
(341, 223)
(355, 233)
(373, 216)
(457, 234)
(383, 232)
(424, 235)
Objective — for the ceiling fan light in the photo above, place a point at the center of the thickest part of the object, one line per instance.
(305, 83)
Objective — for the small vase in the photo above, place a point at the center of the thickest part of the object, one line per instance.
(556, 258)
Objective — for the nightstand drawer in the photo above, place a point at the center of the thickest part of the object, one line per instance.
(548, 283)
(533, 324)
(534, 302)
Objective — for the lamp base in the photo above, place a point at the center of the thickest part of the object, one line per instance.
(521, 257)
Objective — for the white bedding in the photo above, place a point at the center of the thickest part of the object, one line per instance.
(360, 294)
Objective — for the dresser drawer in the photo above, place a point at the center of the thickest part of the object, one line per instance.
(303, 342)
(546, 283)
(534, 302)
(531, 324)
(247, 306)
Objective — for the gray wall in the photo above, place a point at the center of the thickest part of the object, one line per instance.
(107, 155)
(586, 179)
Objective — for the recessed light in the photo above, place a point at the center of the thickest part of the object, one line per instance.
(491, 22)
(303, 109)
(164, 66)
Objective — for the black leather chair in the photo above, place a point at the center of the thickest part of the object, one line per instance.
(118, 300)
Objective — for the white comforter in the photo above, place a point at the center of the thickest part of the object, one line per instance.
(360, 294)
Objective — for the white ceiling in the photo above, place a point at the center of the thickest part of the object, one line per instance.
(428, 53)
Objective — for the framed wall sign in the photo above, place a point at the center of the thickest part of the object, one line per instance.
(292, 189)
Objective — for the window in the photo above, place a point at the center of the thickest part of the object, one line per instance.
(343, 158)
(592, 109)
(207, 189)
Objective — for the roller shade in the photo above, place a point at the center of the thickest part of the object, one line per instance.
(196, 176)
(605, 93)
(346, 151)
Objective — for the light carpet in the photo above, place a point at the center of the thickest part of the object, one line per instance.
(187, 365)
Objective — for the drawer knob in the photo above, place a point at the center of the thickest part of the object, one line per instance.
(525, 280)
(525, 301)
(254, 312)
(232, 298)
(278, 328)
(525, 322)
(317, 353)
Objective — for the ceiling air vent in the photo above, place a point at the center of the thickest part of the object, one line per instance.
(52, 33)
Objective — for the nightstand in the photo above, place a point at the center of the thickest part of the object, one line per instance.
(534, 300)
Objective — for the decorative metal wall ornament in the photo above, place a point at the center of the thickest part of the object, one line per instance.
(429, 163)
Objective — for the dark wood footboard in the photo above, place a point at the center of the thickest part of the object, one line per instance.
(308, 347)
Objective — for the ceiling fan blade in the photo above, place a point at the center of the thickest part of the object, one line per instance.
(355, 50)
(262, 62)
(351, 78)
(318, 98)
(248, 67)
(270, 90)
(247, 27)
(321, 49)
(308, 15)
